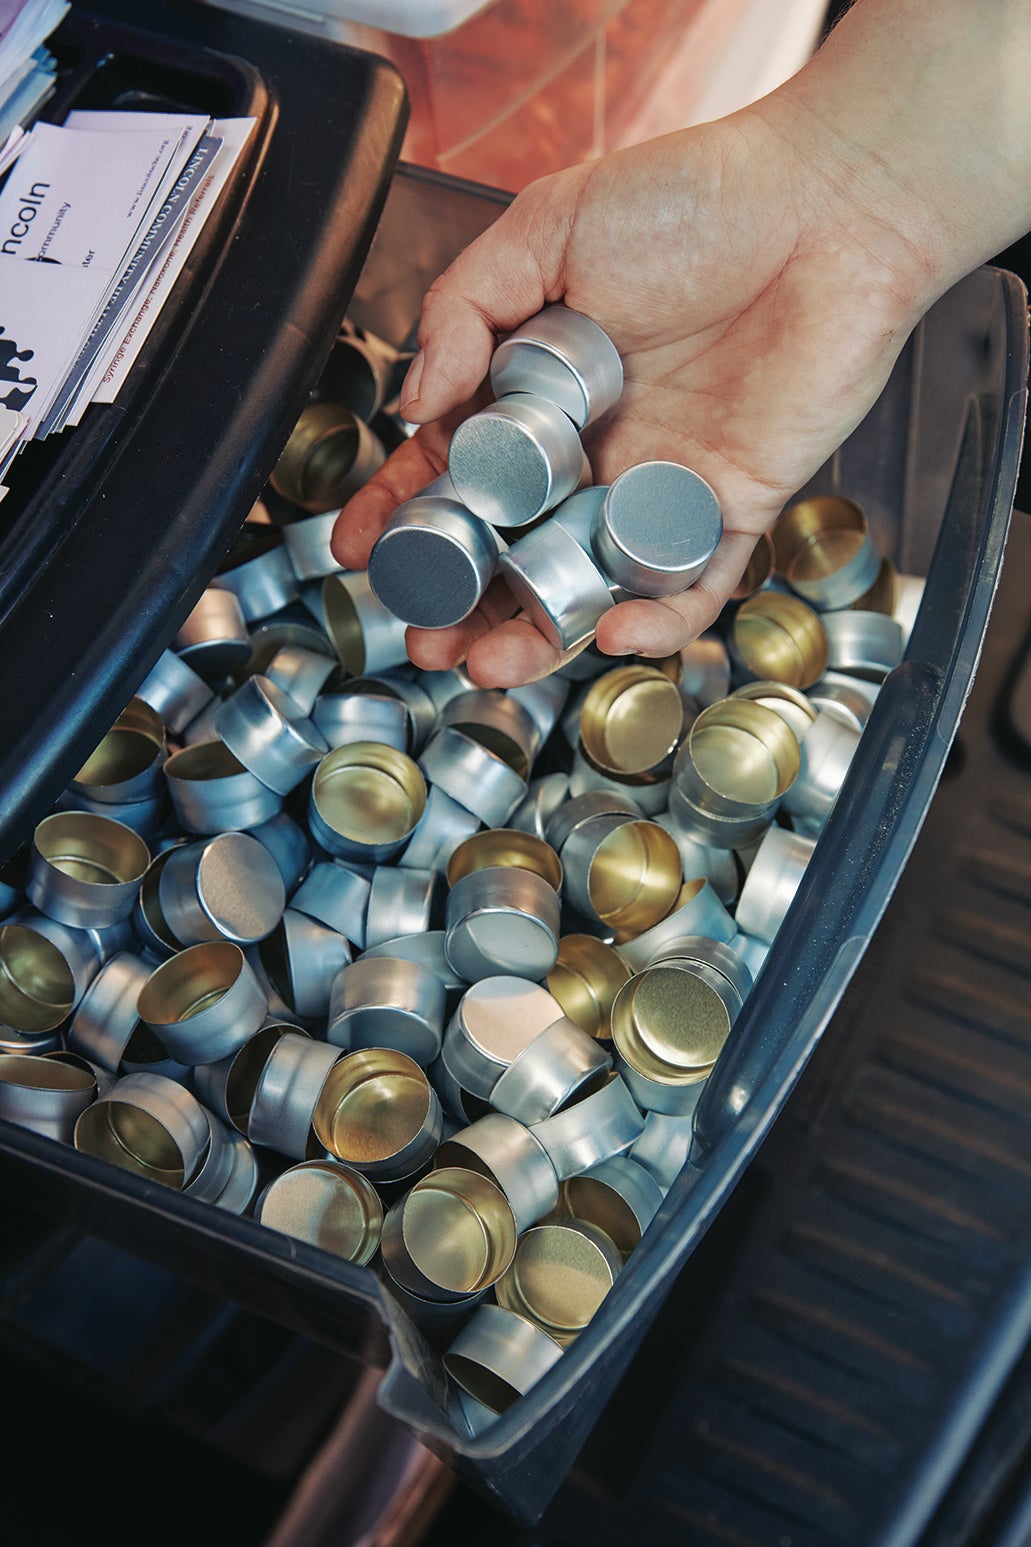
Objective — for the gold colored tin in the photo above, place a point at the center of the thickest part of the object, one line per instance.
(631, 721)
(125, 765)
(825, 551)
(505, 846)
(586, 979)
(365, 801)
(37, 991)
(781, 639)
(560, 1274)
(327, 1203)
(331, 452)
(378, 1112)
(452, 1234)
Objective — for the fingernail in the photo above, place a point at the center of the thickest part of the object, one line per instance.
(410, 386)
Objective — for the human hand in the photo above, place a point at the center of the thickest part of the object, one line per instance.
(758, 302)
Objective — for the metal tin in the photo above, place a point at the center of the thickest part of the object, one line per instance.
(227, 887)
(657, 528)
(388, 1002)
(882, 595)
(106, 1017)
(752, 951)
(203, 1002)
(345, 717)
(561, 1064)
(37, 989)
(495, 1020)
(794, 707)
(238, 1193)
(307, 545)
(212, 791)
(665, 1143)
(704, 669)
(355, 375)
(299, 673)
(631, 721)
(452, 1234)
(286, 1093)
(174, 691)
(148, 920)
(327, 1203)
(302, 957)
(405, 684)
(473, 775)
(444, 824)
(379, 1113)
(757, 571)
(337, 896)
(44, 1094)
(436, 1316)
(606, 1122)
(85, 870)
(402, 901)
(574, 814)
(143, 816)
(291, 627)
(203, 727)
(330, 454)
(732, 770)
(365, 634)
(825, 550)
(623, 872)
(125, 767)
(544, 701)
(504, 1150)
(227, 1086)
(440, 687)
(698, 911)
(827, 751)
(505, 847)
(557, 584)
(701, 859)
(365, 801)
(499, 1355)
(849, 698)
(864, 644)
(149, 1125)
(772, 882)
(46, 1042)
(289, 845)
(649, 792)
(515, 459)
(434, 559)
(215, 1170)
(619, 1196)
(497, 721)
(103, 1077)
(780, 638)
(562, 356)
(427, 949)
(587, 975)
(501, 920)
(213, 642)
(560, 1274)
(263, 727)
(543, 798)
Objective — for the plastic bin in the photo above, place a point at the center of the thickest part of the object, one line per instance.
(935, 465)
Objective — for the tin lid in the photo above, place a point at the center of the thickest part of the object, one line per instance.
(560, 1274)
(658, 527)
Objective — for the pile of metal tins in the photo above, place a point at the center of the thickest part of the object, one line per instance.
(428, 975)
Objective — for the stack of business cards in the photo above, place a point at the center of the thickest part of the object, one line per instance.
(97, 218)
(26, 67)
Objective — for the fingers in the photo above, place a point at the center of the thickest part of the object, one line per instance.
(662, 626)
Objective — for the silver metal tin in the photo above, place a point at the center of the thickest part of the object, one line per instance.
(327, 1203)
(864, 644)
(404, 684)
(605, 1123)
(307, 545)
(345, 717)
(213, 641)
(562, 356)
(850, 698)
(499, 722)
(388, 1002)
(587, 975)
(752, 951)
(148, 921)
(650, 794)
(212, 791)
(827, 751)
(216, 1168)
(441, 686)
(44, 1094)
(106, 1016)
(434, 1315)
(704, 669)
(330, 454)
(300, 673)
(238, 1193)
(731, 772)
(433, 559)
(289, 845)
(544, 701)
(174, 690)
(494, 1021)
(713, 959)
(793, 706)
(103, 1077)
(427, 949)
(825, 550)
(499, 1355)
(453, 1234)
(473, 775)
(365, 801)
(227, 1086)
(402, 901)
(335, 895)
(772, 882)
(37, 987)
(505, 1150)
(780, 638)
(149, 1125)
(379, 1113)
(619, 1196)
(665, 1144)
(561, 1272)
(263, 727)
(444, 824)
(143, 816)
(286, 1093)
(227, 887)
(262, 579)
(502, 921)
(202, 728)
(302, 957)
(515, 459)
(701, 859)
(698, 912)
(203, 1003)
(85, 870)
(559, 1065)
(125, 767)
(291, 627)
(365, 634)
(452, 1097)
(543, 798)
(572, 814)
(657, 528)
(621, 872)
(557, 584)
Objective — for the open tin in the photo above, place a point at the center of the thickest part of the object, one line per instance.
(378, 1112)
(203, 1002)
(451, 1235)
(327, 1203)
